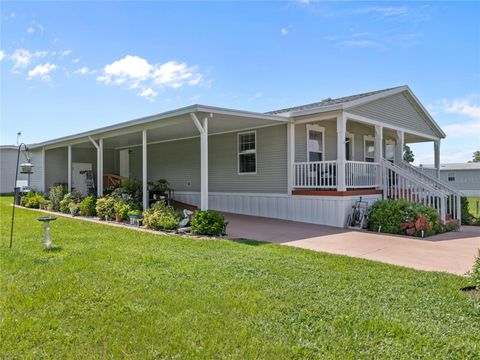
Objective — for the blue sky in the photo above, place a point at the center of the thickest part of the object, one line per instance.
(68, 67)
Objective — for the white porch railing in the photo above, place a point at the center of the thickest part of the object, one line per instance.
(359, 174)
(400, 183)
(316, 174)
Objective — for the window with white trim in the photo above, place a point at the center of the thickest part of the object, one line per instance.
(369, 148)
(247, 153)
(315, 143)
(451, 176)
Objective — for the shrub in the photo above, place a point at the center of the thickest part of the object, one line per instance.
(467, 217)
(87, 206)
(73, 197)
(73, 208)
(403, 217)
(207, 223)
(121, 209)
(32, 200)
(476, 272)
(105, 208)
(160, 217)
(55, 195)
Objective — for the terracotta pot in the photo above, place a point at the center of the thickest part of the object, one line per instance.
(118, 217)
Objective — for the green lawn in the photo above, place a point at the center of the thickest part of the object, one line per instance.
(118, 293)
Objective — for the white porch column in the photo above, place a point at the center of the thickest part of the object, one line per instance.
(144, 169)
(204, 166)
(436, 147)
(100, 168)
(43, 170)
(378, 153)
(69, 168)
(399, 143)
(341, 132)
(290, 157)
(203, 130)
(378, 143)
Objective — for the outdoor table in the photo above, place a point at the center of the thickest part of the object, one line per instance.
(47, 241)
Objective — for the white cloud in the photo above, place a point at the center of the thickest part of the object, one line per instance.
(2, 55)
(65, 53)
(76, 60)
(174, 75)
(134, 72)
(385, 11)
(22, 57)
(359, 43)
(42, 71)
(284, 31)
(465, 106)
(148, 93)
(84, 71)
(30, 30)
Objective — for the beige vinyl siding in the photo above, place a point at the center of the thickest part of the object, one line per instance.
(179, 163)
(394, 110)
(56, 170)
(271, 176)
(8, 162)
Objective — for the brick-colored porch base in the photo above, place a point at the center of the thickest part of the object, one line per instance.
(353, 192)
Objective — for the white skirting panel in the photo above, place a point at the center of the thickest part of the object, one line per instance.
(324, 210)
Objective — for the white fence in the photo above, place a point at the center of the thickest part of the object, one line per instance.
(316, 174)
(359, 174)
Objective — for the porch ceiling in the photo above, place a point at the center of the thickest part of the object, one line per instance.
(183, 127)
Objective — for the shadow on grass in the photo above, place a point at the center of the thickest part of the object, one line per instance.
(250, 242)
(53, 248)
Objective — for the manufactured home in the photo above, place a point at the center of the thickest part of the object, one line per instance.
(307, 163)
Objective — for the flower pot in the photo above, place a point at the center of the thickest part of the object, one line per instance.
(118, 218)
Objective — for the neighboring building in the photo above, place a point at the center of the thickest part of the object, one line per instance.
(8, 161)
(308, 163)
(464, 177)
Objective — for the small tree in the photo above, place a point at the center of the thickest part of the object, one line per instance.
(476, 156)
(408, 154)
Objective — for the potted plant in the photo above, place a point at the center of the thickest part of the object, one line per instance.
(135, 216)
(121, 210)
(158, 188)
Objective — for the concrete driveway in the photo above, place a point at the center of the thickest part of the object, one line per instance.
(453, 252)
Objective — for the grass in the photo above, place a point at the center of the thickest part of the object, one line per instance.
(115, 293)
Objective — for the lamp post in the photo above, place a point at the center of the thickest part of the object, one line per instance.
(26, 169)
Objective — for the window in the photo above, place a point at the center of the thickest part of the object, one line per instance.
(247, 153)
(369, 148)
(451, 176)
(315, 143)
(349, 146)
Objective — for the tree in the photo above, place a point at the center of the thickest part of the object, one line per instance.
(408, 154)
(476, 156)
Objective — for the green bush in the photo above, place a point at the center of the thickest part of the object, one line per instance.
(476, 272)
(32, 200)
(56, 195)
(207, 223)
(105, 208)
(160, 217)
(69, 198)
(87, 206)
(403, 217)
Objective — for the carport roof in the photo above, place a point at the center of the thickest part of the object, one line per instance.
(247, 117)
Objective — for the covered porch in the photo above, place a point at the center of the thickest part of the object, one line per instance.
(188, 147)
(345, 153)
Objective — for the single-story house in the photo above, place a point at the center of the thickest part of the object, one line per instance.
(306, 163)
(465, 177)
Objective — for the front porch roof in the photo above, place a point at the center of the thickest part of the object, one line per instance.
(171, 125)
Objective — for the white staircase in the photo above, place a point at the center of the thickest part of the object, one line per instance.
(404, 181)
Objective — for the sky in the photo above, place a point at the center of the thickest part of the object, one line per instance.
(68, 67)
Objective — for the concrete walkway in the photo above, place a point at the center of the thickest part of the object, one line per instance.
(452, 252)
